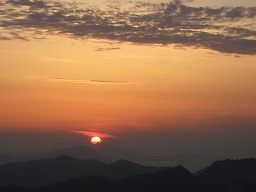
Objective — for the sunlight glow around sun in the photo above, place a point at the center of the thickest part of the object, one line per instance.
(95, 140)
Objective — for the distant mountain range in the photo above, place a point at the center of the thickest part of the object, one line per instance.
(230, 171)
(105, 153)
(172, 179)
(36, 173)
(72, 175)
(78, 152)
(108, 153)
(7, 158)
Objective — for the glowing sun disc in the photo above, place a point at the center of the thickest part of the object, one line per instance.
(95, 140)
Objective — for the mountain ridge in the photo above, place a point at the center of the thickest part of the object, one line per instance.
(108, 153)
(221, 176)
(46, 171)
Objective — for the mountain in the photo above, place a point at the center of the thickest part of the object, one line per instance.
(193, 162)
(115, 153)
(230, 175)
(105, 153)
(220, 176)
(78, 152)
(108, 153)
(7, 158)
(43, 172)
(170, 179)
(230, 171)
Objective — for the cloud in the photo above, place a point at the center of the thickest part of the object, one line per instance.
(224, 29)
(107, 48)
(92, 134)
(80, 81)
(33, 4)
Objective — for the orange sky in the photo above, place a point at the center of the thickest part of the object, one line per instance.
(58, 80)
(131, 79)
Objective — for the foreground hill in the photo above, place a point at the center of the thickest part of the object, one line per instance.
(48, 171)
(108, 153)
(171, 179)
(221, 176)
(233, 175)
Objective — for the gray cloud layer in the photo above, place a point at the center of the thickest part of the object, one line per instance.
(225, 29)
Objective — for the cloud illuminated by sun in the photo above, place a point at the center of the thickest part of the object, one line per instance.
(228, 30)
(92, 134)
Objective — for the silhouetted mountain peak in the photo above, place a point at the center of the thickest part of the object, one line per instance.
(243, 170)
(170, 172)
(235, 163)
(68, 174)
(177, 170)
(65, 158)
(78, 152)
(231, 164)
(7, 158)
(47, 171)
(123, 162)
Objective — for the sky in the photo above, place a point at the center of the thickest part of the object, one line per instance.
(160, 77)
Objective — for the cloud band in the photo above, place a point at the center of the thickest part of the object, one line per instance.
(225, 29)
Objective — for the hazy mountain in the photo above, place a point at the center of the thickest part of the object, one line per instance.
(7, 158)
(109, 153)
(193, 162)
(176, 179)
(230, 171)
(44, 172)
(115, 153)
(15, 156)
(171, 179)
(220, 176)
(230, 175)
(78, 152)
(104, 153)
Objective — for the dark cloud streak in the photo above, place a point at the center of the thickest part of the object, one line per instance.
(224, 29)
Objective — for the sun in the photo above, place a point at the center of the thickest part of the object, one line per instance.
(95, 140)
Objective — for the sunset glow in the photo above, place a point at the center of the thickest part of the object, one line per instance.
(182, 70)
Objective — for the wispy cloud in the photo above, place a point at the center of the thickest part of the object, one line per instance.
(92, 134)
(224, 29)
(107, 48)
(80, 81)
(47, 58)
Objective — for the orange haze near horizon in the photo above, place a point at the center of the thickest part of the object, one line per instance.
(60, 83)
(176, 75)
